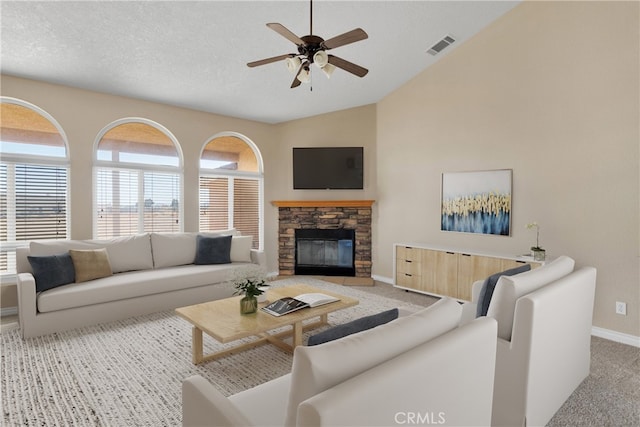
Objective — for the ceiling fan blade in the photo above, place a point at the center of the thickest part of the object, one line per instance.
(346, 38)
(270, 60)
(297, 82)
(348, 66)
(284, 32)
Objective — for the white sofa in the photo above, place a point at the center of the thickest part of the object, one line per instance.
(417, 369)
(151, 272)
(544, 334)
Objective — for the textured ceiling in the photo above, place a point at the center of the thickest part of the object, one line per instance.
(194, 54)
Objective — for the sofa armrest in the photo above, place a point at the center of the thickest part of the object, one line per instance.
(469, 310)
(259, 257)
(203, 405)
(475, 290)
(27, 305)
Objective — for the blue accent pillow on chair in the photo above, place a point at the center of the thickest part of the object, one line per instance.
(52, 271)
(213, 250)
(353, 327)
(489, 285)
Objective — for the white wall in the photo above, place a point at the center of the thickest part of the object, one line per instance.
(549, 90)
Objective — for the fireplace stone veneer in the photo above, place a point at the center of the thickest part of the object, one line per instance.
(325, 214)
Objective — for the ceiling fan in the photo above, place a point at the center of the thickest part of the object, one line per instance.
(313, 49)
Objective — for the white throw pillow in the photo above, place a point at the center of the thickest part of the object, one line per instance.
(510, 288)
(318, 368)
(241, 248)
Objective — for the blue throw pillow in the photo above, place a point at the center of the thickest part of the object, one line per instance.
(489, 285)
(213, 250)
(52, 271)
(354, 326)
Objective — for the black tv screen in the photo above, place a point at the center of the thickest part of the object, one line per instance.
(323, 168)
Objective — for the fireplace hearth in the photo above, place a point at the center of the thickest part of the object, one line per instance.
(327, 252)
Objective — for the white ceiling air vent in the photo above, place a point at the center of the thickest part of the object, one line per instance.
(441, 45)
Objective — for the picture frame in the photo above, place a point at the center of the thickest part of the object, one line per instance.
(477, 202)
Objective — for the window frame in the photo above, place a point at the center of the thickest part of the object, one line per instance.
(133, 166)
(38, 160)
(232, 175)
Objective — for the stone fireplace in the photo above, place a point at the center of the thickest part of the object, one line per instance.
(324, 215)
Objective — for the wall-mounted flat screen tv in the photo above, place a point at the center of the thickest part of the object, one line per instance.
(328, 168)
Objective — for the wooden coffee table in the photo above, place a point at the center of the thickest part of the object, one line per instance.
(221, 319)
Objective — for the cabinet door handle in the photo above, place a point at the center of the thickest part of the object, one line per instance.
(466, 254)
(451, 253)
(408, 275)
(407, 260)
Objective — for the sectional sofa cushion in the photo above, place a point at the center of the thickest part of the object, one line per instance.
(320, 367)
(213, 250)
(90, 264)
(59, 247)
(127, 253)
(172, 249)
(51, 271)
(489, 286)
(509, 289)
(355, 326)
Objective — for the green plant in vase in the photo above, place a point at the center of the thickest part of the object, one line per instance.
(536, 251)
(251, 285)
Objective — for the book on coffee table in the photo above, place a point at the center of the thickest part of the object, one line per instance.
(288, 305)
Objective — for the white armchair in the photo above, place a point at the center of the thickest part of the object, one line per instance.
(544, 335)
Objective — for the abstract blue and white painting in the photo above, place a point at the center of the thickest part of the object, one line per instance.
(477, 202)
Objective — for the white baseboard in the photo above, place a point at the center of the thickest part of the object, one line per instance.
(8, 311)
(615, 336)
(384, 279)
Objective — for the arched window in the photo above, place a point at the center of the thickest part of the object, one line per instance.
(231, 186)
(34, 173)
(138, 179)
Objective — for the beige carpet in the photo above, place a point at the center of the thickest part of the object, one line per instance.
(129, 372)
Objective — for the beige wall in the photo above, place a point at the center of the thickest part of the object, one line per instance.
(82, 114)
(551, 91)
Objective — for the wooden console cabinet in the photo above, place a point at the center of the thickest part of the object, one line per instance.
(444, 272)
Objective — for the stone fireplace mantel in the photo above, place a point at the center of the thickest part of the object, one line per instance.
(324, 214)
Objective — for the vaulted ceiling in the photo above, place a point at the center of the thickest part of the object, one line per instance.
(194, 54)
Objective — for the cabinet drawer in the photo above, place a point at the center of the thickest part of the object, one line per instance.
(408, 253)
(408, 266)
(408, 280)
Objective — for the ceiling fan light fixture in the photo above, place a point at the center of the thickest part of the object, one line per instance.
(328, 70)
(293, 64)
(321, 59)
(305, 75)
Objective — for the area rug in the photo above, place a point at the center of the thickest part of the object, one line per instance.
(130, 372)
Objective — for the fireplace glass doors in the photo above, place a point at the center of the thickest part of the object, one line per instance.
(326, 252)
